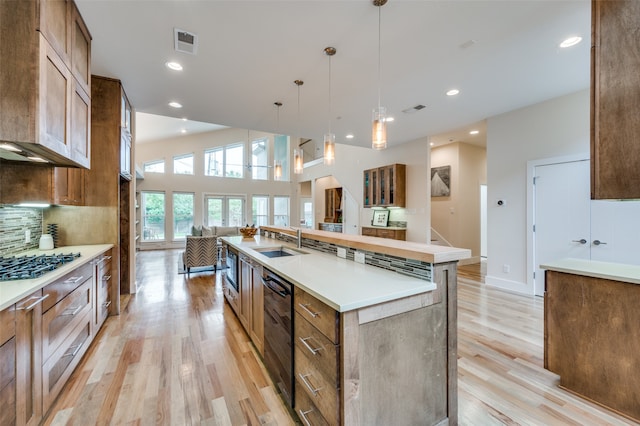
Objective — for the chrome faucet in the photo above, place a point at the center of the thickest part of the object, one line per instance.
(298, 236)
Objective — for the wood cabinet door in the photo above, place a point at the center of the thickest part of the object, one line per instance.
(8, 366)
(257, 309)
(54, 25)
(80, 50)
(244, 313)
(80, 126)
(68, 186)
(615, 122)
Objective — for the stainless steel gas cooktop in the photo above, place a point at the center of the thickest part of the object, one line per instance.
(28, 267)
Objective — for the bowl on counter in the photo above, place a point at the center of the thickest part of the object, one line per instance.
(248, 233)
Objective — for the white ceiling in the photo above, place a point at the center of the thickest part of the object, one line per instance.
(251, 51)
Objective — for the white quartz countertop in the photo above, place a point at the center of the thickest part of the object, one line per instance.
(13, 291)
(591, 268)
(340, 283)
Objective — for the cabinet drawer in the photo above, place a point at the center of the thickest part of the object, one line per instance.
(307, 411)
(320, 315)
(58, 321)
(231, 295)
(321, 391)
(58, 289)
(63, 361)
(320, 351)
(7, 324)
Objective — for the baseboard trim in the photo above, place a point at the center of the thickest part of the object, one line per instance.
(508, 285)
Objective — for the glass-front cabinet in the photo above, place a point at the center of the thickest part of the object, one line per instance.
(385, 186)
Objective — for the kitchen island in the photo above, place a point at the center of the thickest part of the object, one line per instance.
(591, 322)
(391, 339)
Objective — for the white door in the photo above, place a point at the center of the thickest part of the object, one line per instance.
(561, 215)
(350, 214)
(224, 210)
(615, 231)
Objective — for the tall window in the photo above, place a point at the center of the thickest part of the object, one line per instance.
(281, 211)
(224, 210)
(234, 161)
(214, 162)
(182, 214)
(281, 153)
(183, 164)
(156, 166)
(153, 217)
(259, 158)
(260, 210)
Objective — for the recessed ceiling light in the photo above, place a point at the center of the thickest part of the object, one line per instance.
(349, 136)
(9, 147)
(474, 132)
(571, 41)
(183, 130)
(184, 118)
(175, 104)
(174, 66)
(453, 92)
(431, 143)
(389, 119)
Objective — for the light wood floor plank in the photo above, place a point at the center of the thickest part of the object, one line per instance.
(177, 355)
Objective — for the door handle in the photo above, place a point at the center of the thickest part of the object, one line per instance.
(598, 242)
(581, 241)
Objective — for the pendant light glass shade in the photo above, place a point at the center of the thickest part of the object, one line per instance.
(329, 148)
(298, 161)
(379, 129)
(277, 170)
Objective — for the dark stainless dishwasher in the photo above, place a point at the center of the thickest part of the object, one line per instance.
(278, 332)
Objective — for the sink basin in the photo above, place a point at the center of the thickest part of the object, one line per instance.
(279, 251)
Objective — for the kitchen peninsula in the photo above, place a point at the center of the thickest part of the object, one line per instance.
(590, 331)
(374, 342)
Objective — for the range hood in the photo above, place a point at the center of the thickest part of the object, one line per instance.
(13, 152)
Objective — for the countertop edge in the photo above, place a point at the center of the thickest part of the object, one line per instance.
(596, 269)
(88, 252)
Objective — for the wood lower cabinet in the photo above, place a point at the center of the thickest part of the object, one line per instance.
(8, 366)
(615, 99)
(396, 234)
(256, 322)
(103, 289)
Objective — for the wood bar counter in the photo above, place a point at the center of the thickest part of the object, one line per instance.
(591, 321)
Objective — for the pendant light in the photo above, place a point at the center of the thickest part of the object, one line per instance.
(329, 138)
(298, 157)
(277, 164)
(379, 128)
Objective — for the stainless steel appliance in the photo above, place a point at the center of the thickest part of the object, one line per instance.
(29, 267)
(232, 267)
(278, 332)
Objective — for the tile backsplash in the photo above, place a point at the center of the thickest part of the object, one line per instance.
(13, 223)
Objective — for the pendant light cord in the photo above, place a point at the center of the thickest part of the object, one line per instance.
(330, 93)
(379, 53)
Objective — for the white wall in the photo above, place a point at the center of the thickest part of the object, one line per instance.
(352, 160)
(457, 217)
(555, 128)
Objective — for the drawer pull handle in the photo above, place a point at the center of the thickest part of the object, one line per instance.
(303, 416)
(75, 351)
(74, 280)
(314, 351)
(102, 259)
(34, 304)
(71, 311)
(107, 304)
(310, 312)
(106, 278)
(303, 377)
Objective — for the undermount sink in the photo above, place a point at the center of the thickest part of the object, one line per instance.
(279, 251)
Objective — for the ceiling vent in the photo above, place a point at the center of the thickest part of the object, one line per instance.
(414, 109)
(185, 42)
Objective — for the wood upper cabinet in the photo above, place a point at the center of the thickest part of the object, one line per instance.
(41, 184)
(385, 186)
(615, 99)
(68, 186)
(333, 205)
(45, 99)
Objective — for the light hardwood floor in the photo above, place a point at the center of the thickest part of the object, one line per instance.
(177, 355)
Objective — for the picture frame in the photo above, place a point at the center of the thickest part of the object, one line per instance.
(441, 181)
(380, 218)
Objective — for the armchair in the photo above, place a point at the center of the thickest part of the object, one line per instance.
(200, 251)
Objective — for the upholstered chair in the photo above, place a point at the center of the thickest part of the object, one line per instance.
(200, 251)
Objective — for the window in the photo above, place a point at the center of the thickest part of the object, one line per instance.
(183, 164)
(224, 210)
(182, 214)
(259, 158)
(281, 211)
(213, 162)
(260, 210)
(153, 216)
(156, 166)
(234, 161)
(281, 153)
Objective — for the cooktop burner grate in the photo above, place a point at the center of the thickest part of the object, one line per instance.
(29, 267)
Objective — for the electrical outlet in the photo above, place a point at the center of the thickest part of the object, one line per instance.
(506, 268)
(359, 257)
(27, 235)
(342, 252)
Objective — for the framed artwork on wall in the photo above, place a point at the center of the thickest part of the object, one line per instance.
(380, 218)
(441, 181)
